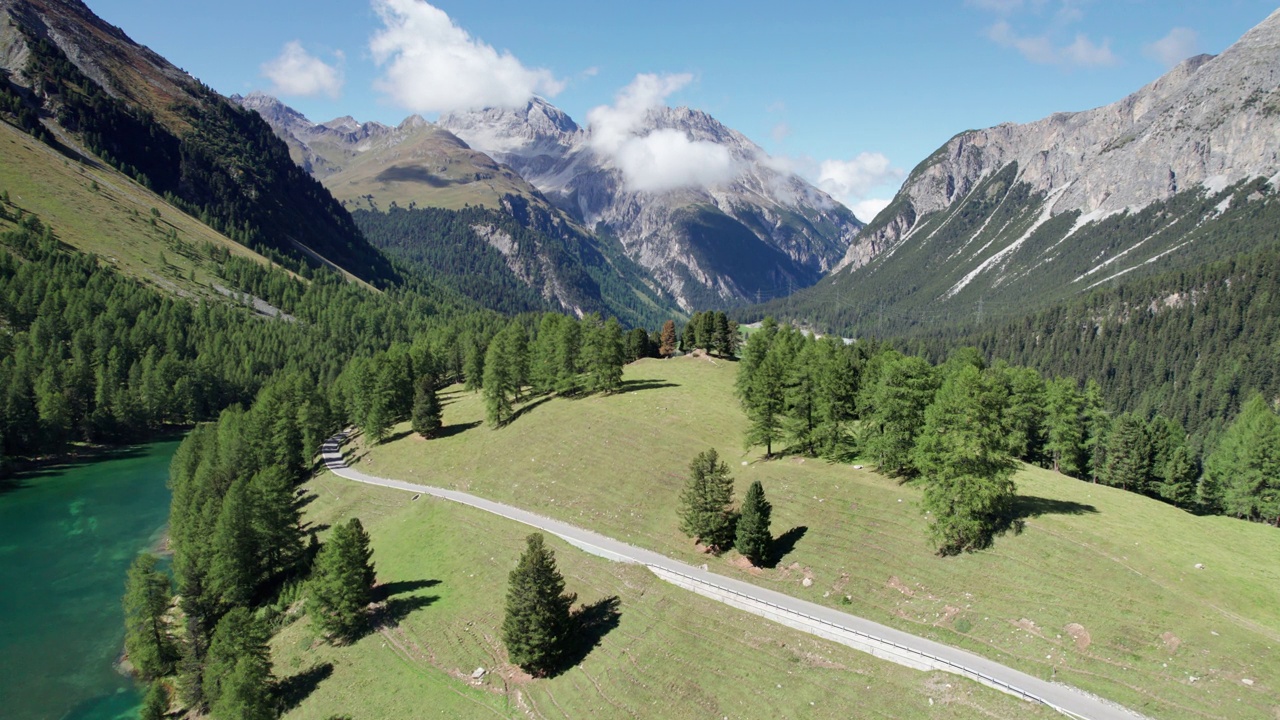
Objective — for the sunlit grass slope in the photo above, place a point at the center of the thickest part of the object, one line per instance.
(667, 654)
(1100, 591)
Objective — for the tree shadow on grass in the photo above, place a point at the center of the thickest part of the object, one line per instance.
(590, 624)
(528, 407)
(304, 500)
(784, 544)
(636, 385)
(291, 691)
(396, 436)
(391, 589)
(1031, 506)
(394, 610)
(456, 429)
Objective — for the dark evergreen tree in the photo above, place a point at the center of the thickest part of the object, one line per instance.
(803, 398)
(146, 600)
(753, 538)
(603, 356)
(499, 382)
(706, 505)
(1064, 429)
(237, 673)
(426, 407)
(234, 565)
(1178, 482)
(276, 522)
(1128, 455)
(537, 625)
(963, 456)
(342, 582)
(473, 367)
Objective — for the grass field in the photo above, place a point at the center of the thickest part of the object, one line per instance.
(1100, 590)
(666, 653)
(97, 210)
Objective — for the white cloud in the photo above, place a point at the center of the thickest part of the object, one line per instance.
(1180, 44)
(1083, 52)
(432, 65)
(780, 132)
(657, 160)
(850, 181)
(297, 72)
(866, 210)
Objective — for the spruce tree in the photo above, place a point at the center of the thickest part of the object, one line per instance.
(1128, 455)
(499, 384)
(753, 538)
(237, 673)
(1064, 429)
(896, 403)
(473, 367)
(667, 341)
(147, 592)
(706, 512)
(537, 625)
(342, 582)
(766, 398)
(276, 521)
(234, 564)
(963, 456)
(426, 407)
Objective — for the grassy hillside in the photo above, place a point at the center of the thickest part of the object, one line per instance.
(666, 653)
(96, 209)
(1101, 590)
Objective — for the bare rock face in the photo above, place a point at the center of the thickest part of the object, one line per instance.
(1210, 121)
(763, 232)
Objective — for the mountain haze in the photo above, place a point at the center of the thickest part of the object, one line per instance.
(755, 231)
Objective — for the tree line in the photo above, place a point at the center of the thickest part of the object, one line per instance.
(959, 427)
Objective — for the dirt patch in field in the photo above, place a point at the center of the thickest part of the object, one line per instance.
(743, 563)
(1171, 642)
(898, 585)
(1028, 625)
(949, 613)
(1079, 635)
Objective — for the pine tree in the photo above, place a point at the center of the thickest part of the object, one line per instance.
(1178, 483)
(766, 398)
(963, 455)
(803, 400)
(543, 363)
(276, 521)
(603, 356)
(342, 582)
(667, 343)
(537, 625)
(753, 538)
(473, 367)
(147, 592)
(706, 512)
(568, 350)
(426, 407)
(237, 673)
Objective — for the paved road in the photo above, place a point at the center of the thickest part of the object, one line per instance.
(1063, 698)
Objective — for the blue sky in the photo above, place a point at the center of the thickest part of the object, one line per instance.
(854, 94)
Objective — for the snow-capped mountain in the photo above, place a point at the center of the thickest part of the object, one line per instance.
(752, 231)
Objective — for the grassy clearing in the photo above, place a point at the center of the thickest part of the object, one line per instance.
(672, 654)
(1100, 591)
(112, 220)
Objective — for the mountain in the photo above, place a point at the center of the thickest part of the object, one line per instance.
(82, 87)
(1014, 217)
(455, 215)
(758, 231)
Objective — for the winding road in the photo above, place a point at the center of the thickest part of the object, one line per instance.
(879, 640)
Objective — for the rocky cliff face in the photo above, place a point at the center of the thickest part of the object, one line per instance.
(758, 232)
(1209, 123)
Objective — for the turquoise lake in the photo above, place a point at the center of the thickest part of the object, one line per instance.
(67, 536)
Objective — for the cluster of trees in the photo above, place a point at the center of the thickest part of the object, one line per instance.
(960, 426)
(708, 516)
(710, 331)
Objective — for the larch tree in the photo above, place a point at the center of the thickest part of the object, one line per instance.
(426, 407)
(963, 456)
(1127, 463)
(342, 582)
(706, 505)
(499, 383)
(237, 676)
(147, 592)
(667, 339)
(896, 403)
(753, 538)
(1245, 467)
(538, 623)
(234, 564)
(1064, 429)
